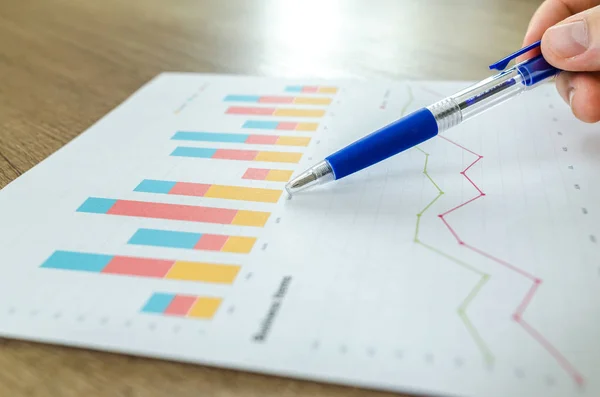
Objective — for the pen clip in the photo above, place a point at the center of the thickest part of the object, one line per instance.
(503, 63)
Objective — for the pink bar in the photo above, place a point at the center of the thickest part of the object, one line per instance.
(286, 125)
(276, 99)
(189, 189)
(180, 305)
(262, 139)
(179, 212)
(211, 242)
(232, 154)
(250, 110)
(138, 266)
(256, 173)
(310, 89)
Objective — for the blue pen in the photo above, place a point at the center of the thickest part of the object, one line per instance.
(427, 122)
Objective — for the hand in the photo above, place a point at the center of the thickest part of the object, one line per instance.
(570, 34)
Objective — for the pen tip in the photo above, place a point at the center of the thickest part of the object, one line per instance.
(315, 175)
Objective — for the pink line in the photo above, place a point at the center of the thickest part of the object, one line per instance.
(451, 230)
(179, 212)
(180, 305)
(460, 146)
(564, 363)
(501, 262)
(520, 311)
(463, 204)
(310, 89)
(527, 300)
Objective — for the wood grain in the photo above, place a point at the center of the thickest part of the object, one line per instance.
(64, 64)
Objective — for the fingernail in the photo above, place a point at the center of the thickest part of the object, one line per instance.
(569, 39)
(571, 95)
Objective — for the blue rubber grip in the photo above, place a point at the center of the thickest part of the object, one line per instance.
(392, 139)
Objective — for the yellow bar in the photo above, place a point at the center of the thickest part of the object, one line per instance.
(207, 272)
(239, 245)
(307, 127)
(327, 90)
(279, 175)
(312, 101)
(250, 218)
(278, 157)
(299, 112)
(293, 141)
(205, 307)
(243, 193)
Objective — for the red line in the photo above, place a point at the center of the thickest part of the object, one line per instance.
(520, 311)
(501, 262)
(567, 366)
(460, 146)
(451, 230)
(527, 300)
(461, 205)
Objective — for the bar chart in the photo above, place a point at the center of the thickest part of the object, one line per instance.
(299, 100)
(288, 120)
(277, 112)
(264, 174)
(179, 305)
(176, 212)
(237, 154)
(210, 191)
(280, 125)
(241, 138)
(195, 241)
(142, 267)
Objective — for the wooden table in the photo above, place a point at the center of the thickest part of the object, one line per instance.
(65, 63)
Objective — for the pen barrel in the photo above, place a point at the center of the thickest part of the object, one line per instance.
(392, 139)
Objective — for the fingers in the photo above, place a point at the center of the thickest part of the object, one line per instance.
(574, 44)
(582, 92)
(549, 13)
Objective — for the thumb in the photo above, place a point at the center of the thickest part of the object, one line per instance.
(574, 44)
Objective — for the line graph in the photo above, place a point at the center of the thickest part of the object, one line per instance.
(462, 308)
(520, 310)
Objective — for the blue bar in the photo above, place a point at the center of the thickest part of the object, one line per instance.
(153, 186)
(263, 125)
(201, 152)
(96, 205)
(209, 137)
(77, 261)
(165, 238)
(293, 88)
(158, 303)
(241, 98)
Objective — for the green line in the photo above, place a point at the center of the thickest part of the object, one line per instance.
(453, 259)
(462, 309)
(410, 99)
(422, 151)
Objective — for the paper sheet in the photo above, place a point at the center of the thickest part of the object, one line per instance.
(465, 266)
